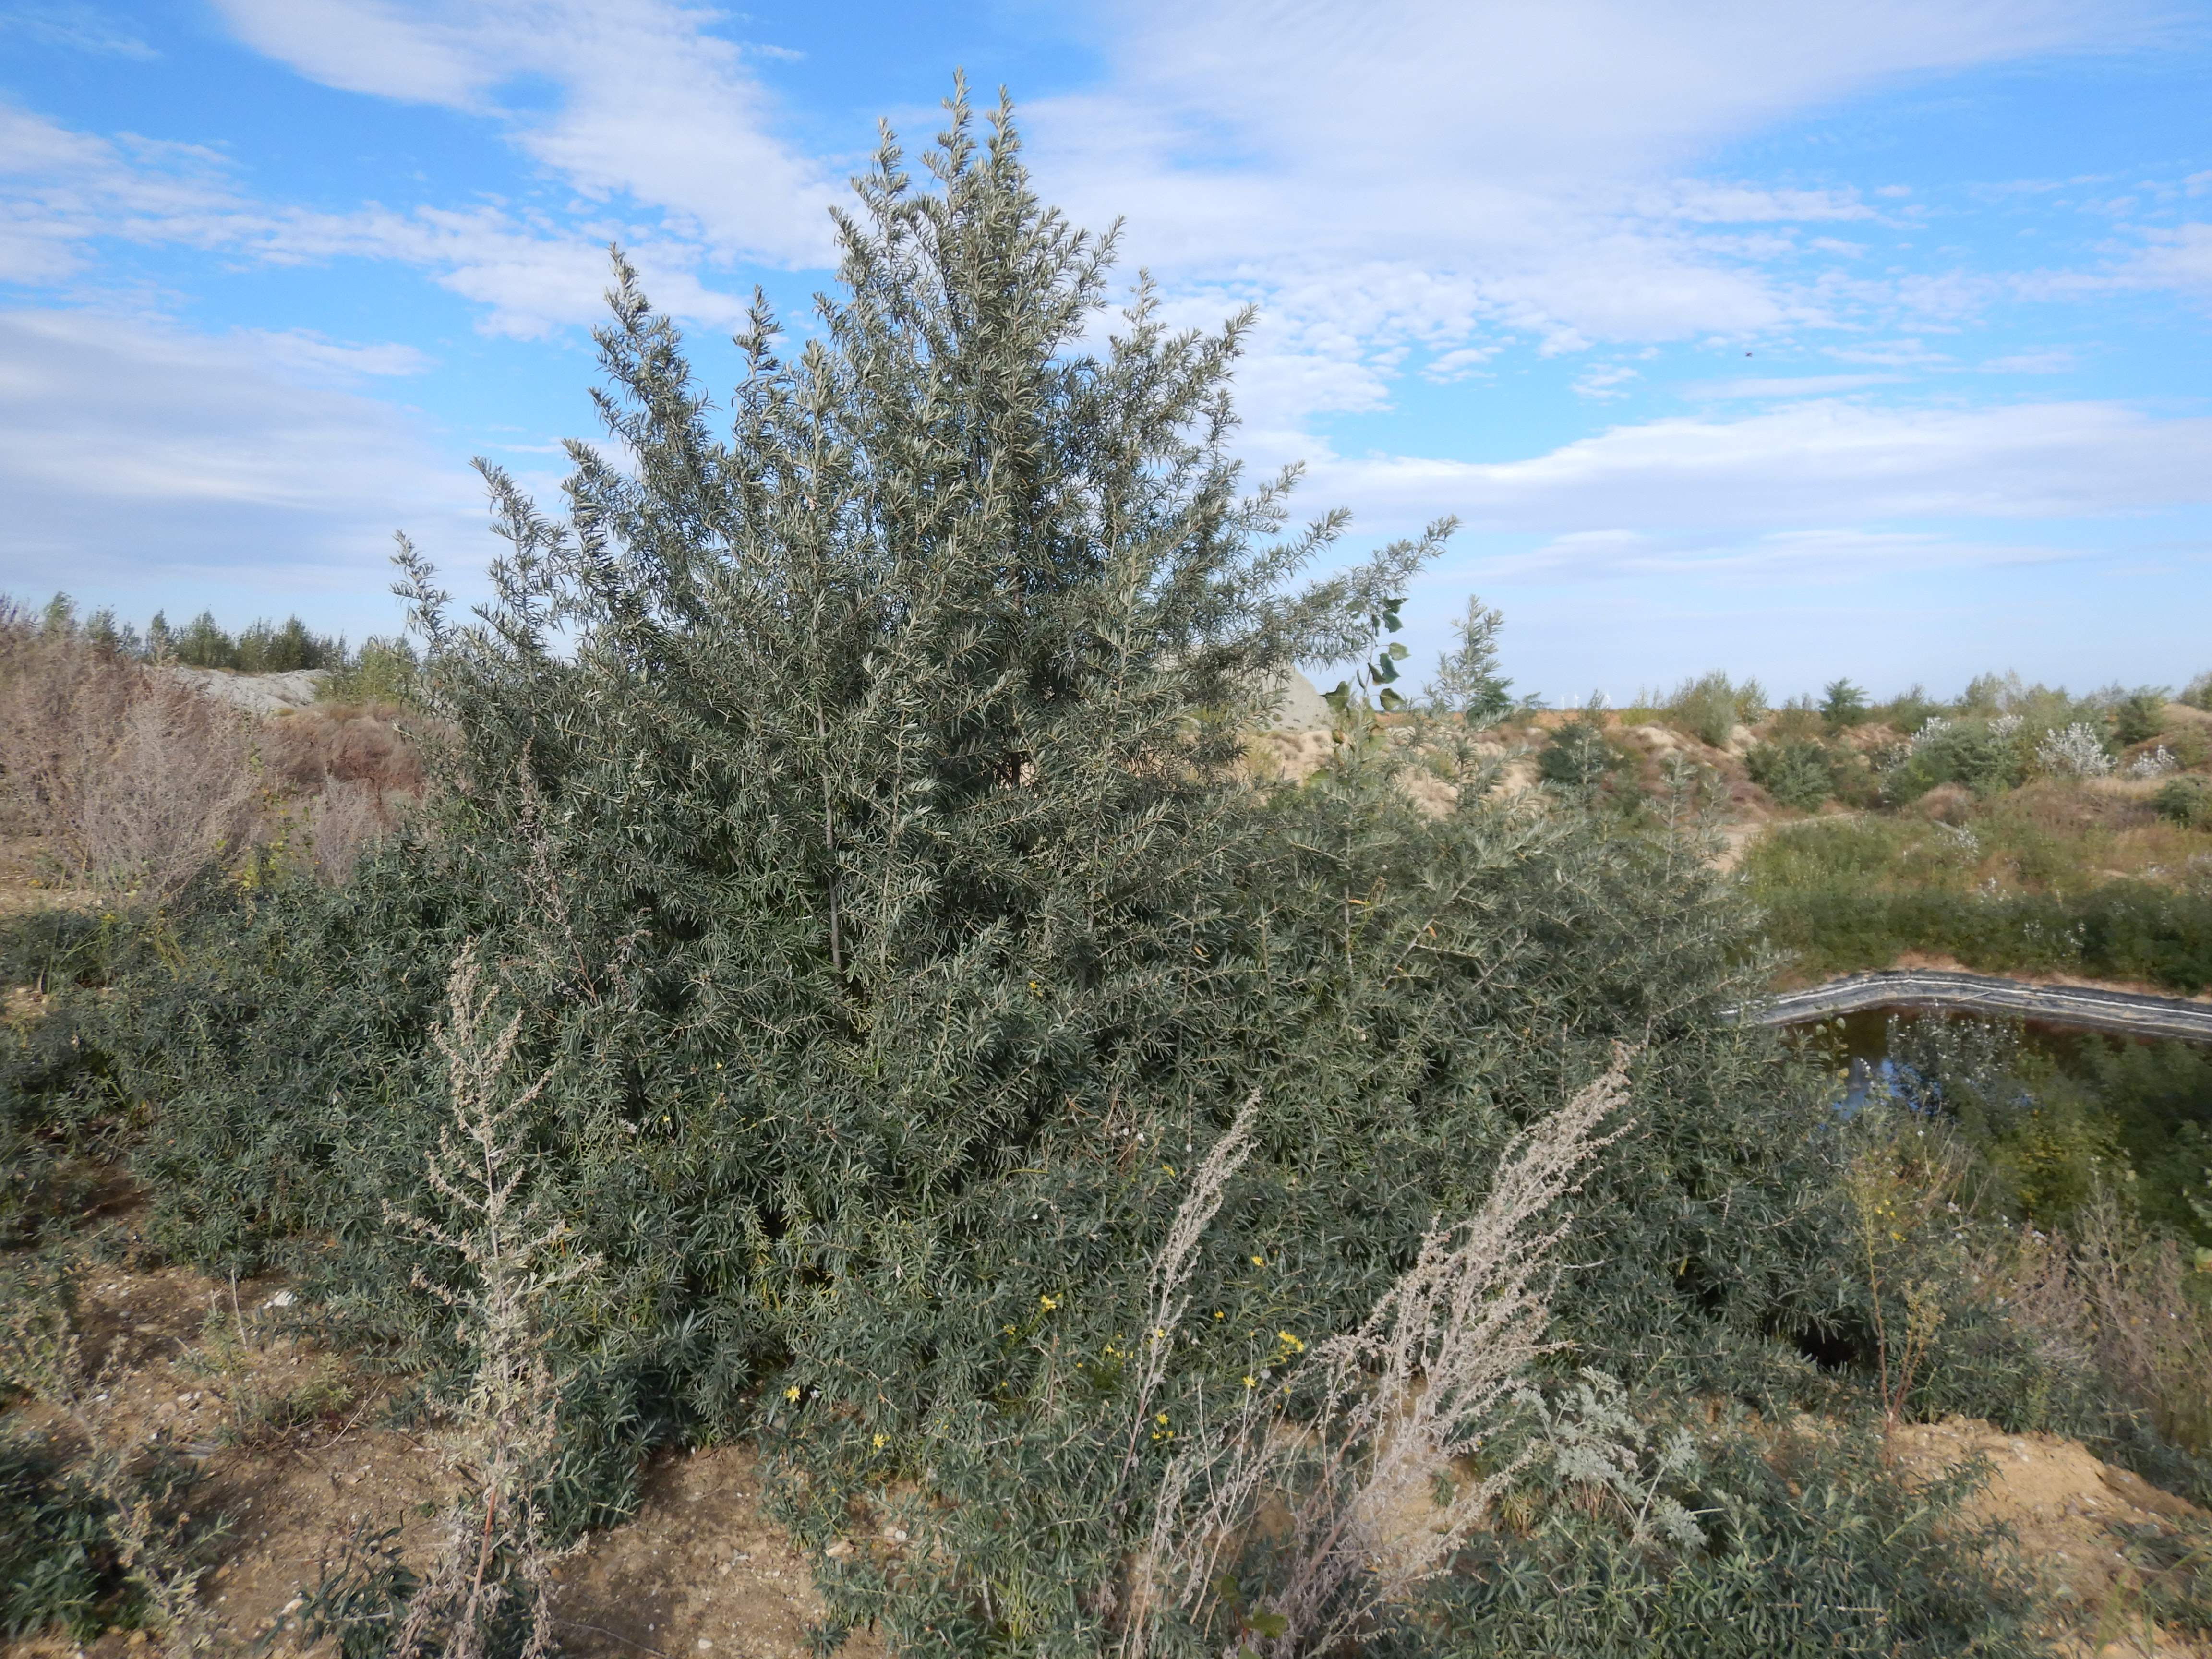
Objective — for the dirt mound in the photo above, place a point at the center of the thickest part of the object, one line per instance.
(2076, 1518)
(257, 694)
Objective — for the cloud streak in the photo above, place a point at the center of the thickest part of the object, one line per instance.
(651, 105)
(1817, 469)
(129, 451)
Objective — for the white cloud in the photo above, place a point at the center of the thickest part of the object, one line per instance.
(1786, 386)
(1531, 169)
(1537, 149)
(652, 104)
(309, 354)
(62, 191)
(1699, 202)
(2057, 361)
(77, 27)
(129, 451)
(2181, 258)
(1808, 467)
(1826, 556)
(59, 188)
(1603, 381)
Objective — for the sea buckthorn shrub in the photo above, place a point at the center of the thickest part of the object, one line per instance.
(848, 804)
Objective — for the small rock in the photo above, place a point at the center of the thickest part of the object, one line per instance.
(839, 1550)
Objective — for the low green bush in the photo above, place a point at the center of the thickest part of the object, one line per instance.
(1909, 712)
(1579, 755)
(1815, 1546)
(1799, 775)
(2186, 801)
(1985, 754)
(2139, 716)
(1844, 705)
(2125, 930)
(1710, 706)
(382, 671)
(58, 1570)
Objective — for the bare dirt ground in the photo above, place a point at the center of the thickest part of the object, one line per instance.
(298, 1450)
(2073, 1518)
(31, 879)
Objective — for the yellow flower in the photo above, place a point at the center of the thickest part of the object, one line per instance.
(1250, 1383)
(1162, 1419)
(791, 1393)
(1217, 1313)
(1290, 1341)
(1047, 1303)
(880, 1440)
(1257, 1262)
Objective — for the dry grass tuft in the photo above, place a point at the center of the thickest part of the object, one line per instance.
(1403, 1402)
(2122, 1302)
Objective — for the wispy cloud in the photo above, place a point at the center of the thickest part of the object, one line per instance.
(1827, 557)
(1535, 154)
(1789, 386)
(76, 27)
(129, 449)
(1818, 467)
(62, 192)
(651, 105)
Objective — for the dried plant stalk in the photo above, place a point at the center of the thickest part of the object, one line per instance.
(496, 1543)
(1403, 1400)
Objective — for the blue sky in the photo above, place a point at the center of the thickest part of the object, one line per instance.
(1867, 340)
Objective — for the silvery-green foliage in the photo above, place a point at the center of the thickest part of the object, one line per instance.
(1593, 1438)
(1931, 733)
(1983, 752)
(2075, 752)
(847, 789)
(2154, 764)
(1467, 681)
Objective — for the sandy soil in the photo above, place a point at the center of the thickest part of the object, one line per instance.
(700, 1570)
(2073, 1517)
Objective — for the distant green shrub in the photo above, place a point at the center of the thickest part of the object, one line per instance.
(1985, 755)
(263, 648)
(1910, 712)
(2121, 930)
(2139, 716)
(1711, 707)
(1844, 705)
(383, 671)
(1798, 775)
(2186, 801)
(1579, 755)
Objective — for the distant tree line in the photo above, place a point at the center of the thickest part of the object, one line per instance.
(381, 670)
